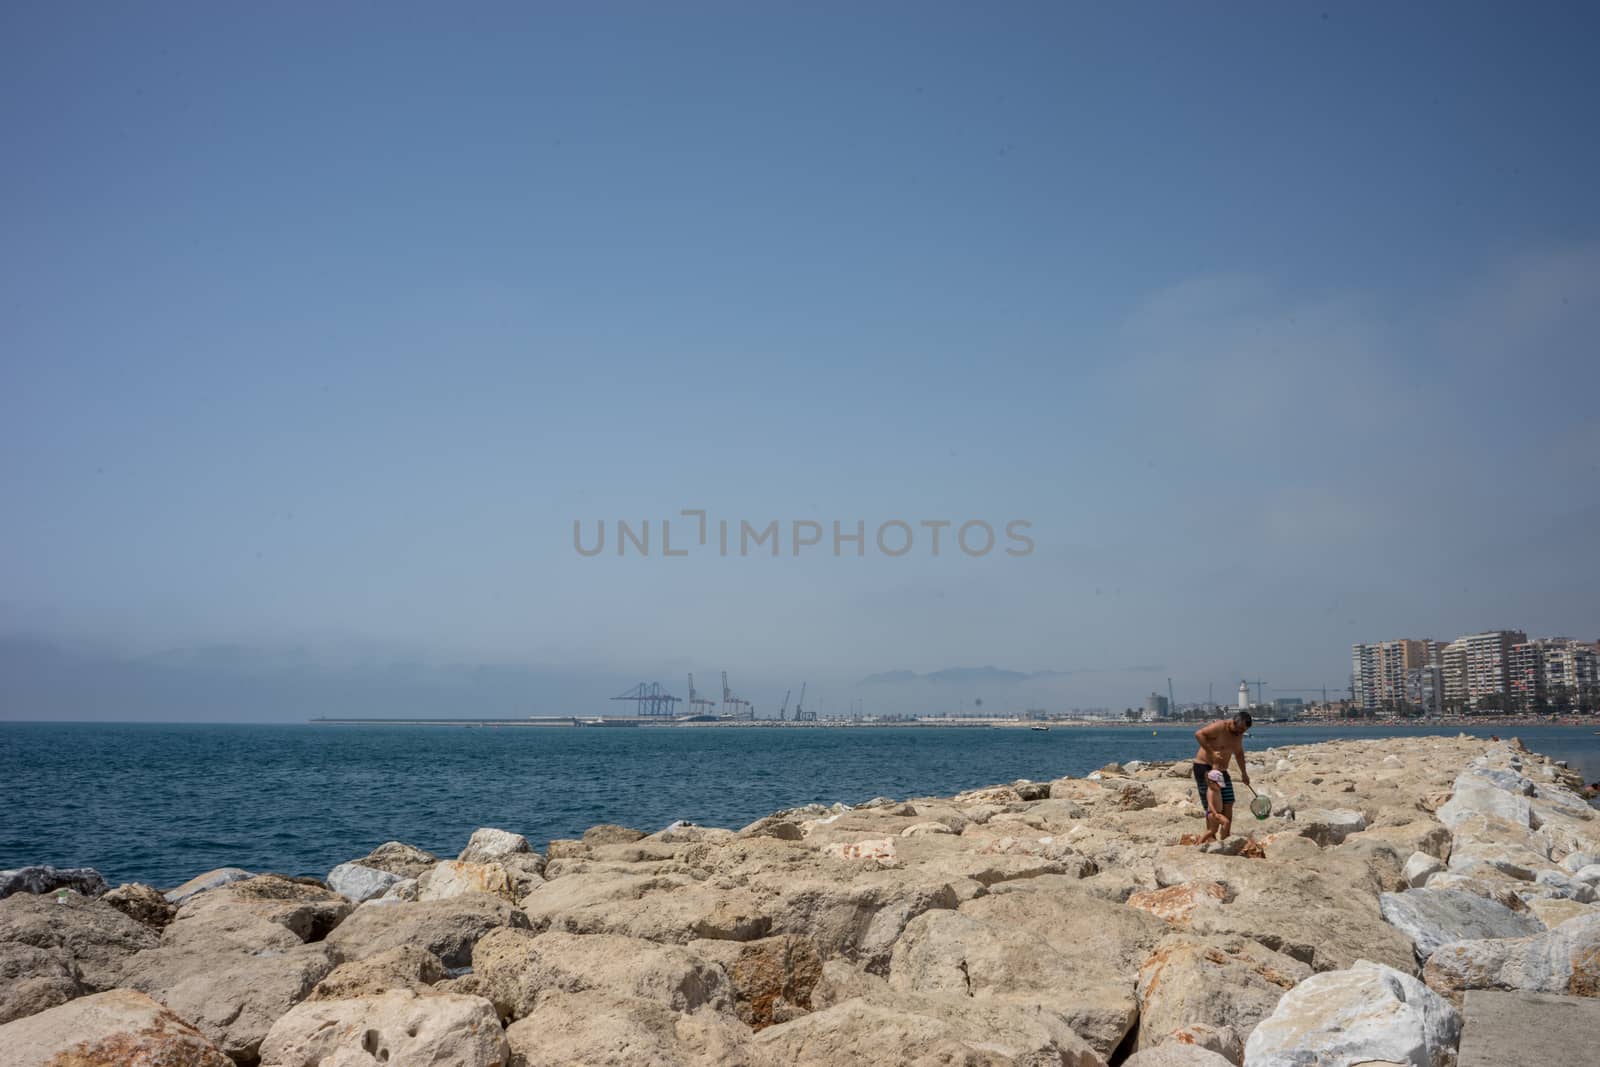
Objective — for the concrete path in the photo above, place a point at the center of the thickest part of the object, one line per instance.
(1501, 1029)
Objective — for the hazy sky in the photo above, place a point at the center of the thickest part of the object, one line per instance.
(321, 324)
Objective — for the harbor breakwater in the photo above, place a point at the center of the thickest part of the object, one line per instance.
(1062, 922)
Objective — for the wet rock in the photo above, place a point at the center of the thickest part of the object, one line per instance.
(119, 1028)
(358, 882)
(405, 967)
(1563, 960)
(85, 881)
(446, 928)
(142, 903)
(1432, 917)
(398, 1027)
(1369, 1013)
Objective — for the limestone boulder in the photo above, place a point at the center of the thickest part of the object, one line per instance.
(488, 845)
(611, 834)
(143, 904)
(1419, 868)
(672, 908)
(33, 979)
(1503, 794)
(772, 978)
(446, 928)
(1433, 917)
(602, 1028)
(85, 881)
(454, 878)
(398, 858)
(1552, 913)
(405, 967)
(1176, 1055)
(1366, 1014)
(1329, 826)
(398, 1027)
(517, 967)
(1177, 904)
(1223, 983)
(243, 907)
(1563, 960)
(1490, 885)
(117, 1028)
(78, 942)
(209, 880)
(232, 994)
(858, 918)
(358, 882)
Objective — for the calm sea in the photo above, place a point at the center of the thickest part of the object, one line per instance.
(160, 803)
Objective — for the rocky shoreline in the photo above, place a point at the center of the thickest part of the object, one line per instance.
(1033, 923)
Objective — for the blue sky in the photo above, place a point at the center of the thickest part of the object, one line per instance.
(321, 327)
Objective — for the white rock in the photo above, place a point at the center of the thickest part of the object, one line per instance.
(1433, 917)
(489, 844)
(358, 883)
(397, 1027)
(1283, 766)
(1577, 861)
(1563, 960)
(1589, 874)
(1367, 1013)
(1419, 868)
(210, 880)
(1481, 791)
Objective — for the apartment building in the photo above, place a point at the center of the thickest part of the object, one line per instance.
(1382, 672)
(1477, 668)
(1557, 673)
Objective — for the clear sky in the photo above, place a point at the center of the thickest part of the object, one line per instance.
(320, 325)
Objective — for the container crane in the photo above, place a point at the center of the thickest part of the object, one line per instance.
(800, 714)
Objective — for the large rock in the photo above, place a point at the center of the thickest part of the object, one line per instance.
(209, 880)
(921, 1029)
(603, 1028)
(119, 1028)
(772, 978)
(85, 881)
(358, 882)
(1224, 983)
(142, 903)
(233, 995)
(671, 908)
(242, 909)
(446, 928)
(1329, 827)
(454, 878)
(1176, 904)
(1419, 868)
(1369, 1013)
(610, 834)
(398, 1027)
(398, 858)
(1480, 791)
(87, 940)
(1563, 960)
(1176, 1055)
(516, 967)
(33, 979)
(1432, 917)
(406, 967)
(858, 919)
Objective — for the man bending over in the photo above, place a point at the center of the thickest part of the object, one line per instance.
(1220, 742)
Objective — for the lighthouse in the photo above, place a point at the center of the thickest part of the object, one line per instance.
(1244, 696)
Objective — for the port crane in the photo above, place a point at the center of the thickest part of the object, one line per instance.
(1259, 686)
(741, 709)
(651, 700)
(785, 708)
(800, 714)
(699, 705)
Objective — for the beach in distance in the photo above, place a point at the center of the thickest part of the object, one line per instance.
(157, 803)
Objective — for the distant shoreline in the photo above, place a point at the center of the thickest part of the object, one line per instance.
(568, 722)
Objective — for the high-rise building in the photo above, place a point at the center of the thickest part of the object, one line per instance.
(1477, 668)
(1379, 670)
(1554, 674)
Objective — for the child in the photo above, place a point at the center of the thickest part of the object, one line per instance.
(1219, 809)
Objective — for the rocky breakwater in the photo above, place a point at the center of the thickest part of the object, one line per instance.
(1033, 923)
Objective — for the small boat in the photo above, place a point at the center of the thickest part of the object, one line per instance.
(1041, 727)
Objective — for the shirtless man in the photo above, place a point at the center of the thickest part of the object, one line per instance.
(1220, 742)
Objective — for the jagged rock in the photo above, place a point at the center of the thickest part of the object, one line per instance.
(1515, 861)
(610, 834)
(85, 881)
(772, 978)
(405, 967)
(1329, 827)
(119, 1028)
(561, 848)
(1135, 796)
(860, 919)
(517, 967)
(1577, 861)
(1552, 913)
(1588, 874)
(398, 858)
(232, 994)
(142, 903)
(1563, 960)
(33, 979)
(202, 882)
(1369, 1013)
(357, 882)
(1432, 917)
(1221, 1040)
(1229, 982)
(1419, 868)
(669, 908)
(1480, 791)
(242, 910)
(922, 1029)
(454, 878)
(600, 1028)
(84, 940)
(446, 928)
(1492, 886)
(1558, 885)
(397, 1027)
(488, 845)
